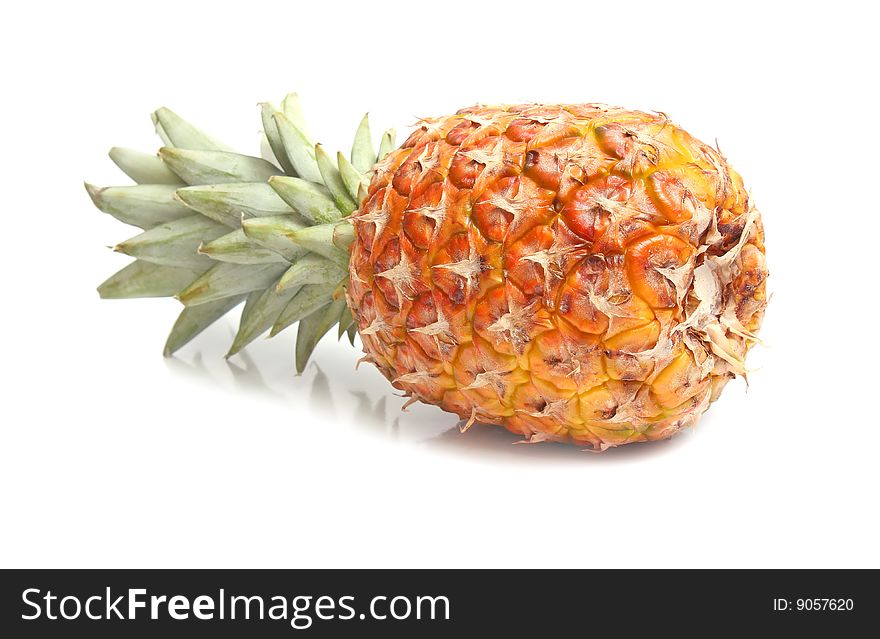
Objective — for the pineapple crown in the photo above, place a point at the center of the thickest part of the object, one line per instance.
(221, 228)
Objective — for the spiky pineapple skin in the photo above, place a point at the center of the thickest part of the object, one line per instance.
(577, 273)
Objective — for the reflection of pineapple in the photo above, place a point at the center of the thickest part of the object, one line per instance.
(576, 272)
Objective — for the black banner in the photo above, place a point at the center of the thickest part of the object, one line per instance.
(398, 603)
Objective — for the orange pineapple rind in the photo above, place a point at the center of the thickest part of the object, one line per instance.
(575, 273)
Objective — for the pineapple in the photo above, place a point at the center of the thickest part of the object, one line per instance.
(575, 273)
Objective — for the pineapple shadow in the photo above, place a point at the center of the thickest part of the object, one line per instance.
(245, 375)
(484, 440)
(374, 416)
(203, 362)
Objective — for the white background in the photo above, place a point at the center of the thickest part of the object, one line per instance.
(114, 456)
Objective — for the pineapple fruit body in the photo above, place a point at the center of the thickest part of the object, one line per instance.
(576, 273)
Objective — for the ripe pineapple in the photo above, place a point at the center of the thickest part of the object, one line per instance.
(575, 273)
